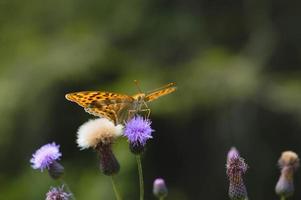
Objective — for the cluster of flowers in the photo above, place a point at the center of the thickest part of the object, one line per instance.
(236, 167)
(99, 134)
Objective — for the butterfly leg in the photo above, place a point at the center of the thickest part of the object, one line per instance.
(131, 114)
(146, 110)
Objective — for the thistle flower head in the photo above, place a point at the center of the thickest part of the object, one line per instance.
(45, 156)
(96, 132)
(100, 134)
(57, 194)
(289, 158)
(159, 188)
(138, 130)
(236, 167)
(289, 163)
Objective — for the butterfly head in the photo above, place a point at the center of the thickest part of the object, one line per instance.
(139, 97)
(139, 101)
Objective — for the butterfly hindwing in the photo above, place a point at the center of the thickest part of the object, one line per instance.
(100, 104)
(109, 114)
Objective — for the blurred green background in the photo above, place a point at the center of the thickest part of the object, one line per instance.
(236, 64)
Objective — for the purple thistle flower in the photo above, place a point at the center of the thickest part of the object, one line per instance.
(236, 167)
(138, 131)
(57, 194)
(45, 156)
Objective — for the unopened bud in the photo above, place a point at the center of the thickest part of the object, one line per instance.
(159, 188)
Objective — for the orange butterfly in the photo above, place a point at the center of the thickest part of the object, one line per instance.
(117, 107)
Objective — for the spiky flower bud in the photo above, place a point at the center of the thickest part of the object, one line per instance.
(159, 188)
(236, 167)
(288, 163)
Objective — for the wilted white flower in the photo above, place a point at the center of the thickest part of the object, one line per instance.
(100, 135)
(97, 131)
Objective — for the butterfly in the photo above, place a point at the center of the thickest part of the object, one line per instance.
(117, 107)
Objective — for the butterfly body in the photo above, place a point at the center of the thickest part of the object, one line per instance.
(139, 101)
(114, 106)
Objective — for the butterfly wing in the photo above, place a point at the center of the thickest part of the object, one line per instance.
(101, 104)
(169, 88)
(100, 112)
(86, 98)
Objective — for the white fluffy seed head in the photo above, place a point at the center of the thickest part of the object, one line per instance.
(289, 158)
(97, 131)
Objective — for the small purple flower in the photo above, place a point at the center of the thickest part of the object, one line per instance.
(45, 156)
(138, 131)
(159, 188)
(57, 194)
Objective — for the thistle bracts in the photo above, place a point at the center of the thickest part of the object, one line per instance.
(107, 161)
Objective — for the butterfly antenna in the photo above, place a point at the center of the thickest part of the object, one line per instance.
(173, 84)
(137, 85)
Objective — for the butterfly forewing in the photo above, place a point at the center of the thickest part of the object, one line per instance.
(156, 94)
(87, 98)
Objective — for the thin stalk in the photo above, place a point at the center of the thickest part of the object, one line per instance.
(282, 197)
(117, 195)
(67, 189)
(138, 158)
(161, 198)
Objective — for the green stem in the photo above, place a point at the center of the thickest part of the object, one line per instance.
(138, 158)
(282, 198)
(67, 188)
(117, 195)
(161, 198)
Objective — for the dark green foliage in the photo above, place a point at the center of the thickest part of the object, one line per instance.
(237, 68)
